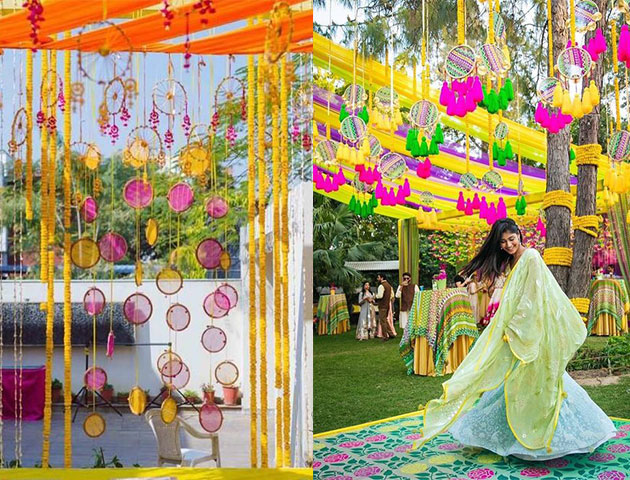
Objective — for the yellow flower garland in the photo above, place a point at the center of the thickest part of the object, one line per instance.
(613, 34)
(550, 36)
(558, 198)
(251, 216)
(284, 184)
(581, 304)
(461, 22)
(262, 264)
(67, 265)
(29, 134)
(558, 256)
(43, 241)
(588, 154)
(588, 224)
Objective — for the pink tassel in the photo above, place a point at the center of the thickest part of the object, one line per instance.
(470, 103)
(501, 209)
(406, 188)
(622, 52)
(450, 107)
(477, 91)
(445, 94)
(538, 115)
(492, 214)
(599, 42)
(461, 206)
(469, 208)
(340, 179)
(376, 175)
(476, 203)
(379, 192)
(110, 344)
(483, 208)
(400, 196)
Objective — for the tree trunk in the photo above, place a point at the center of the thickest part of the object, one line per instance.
(558, 218)
(580, 273)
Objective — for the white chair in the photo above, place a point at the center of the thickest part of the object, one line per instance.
(169, 447)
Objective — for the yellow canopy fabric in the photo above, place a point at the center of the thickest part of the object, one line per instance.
(179, 473)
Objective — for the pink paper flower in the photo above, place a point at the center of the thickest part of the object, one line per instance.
(336, 458)
(557, 462)
(611, 475)
(380, 455)
(535, 472)
(481, 473)
(618, 448)
(602, 457)
(367, 471)
(354, 444)
(376, 438)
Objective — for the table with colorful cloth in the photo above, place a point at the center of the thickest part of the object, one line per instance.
(27, 385)
(607, 314)
(332, 315)
(440, 331)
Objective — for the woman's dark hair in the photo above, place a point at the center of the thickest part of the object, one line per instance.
(490, 260)
(363, 285)
(458, 278)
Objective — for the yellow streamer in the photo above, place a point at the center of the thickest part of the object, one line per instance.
(29, 134)
(572, 6)
(558, 198)
(67, 264)
(461, 23)
(581, 304)
(284, 185)
(262, 265)
(550, 37)
(588, 154)
(251, 216)
(558, 256)
(490, 23)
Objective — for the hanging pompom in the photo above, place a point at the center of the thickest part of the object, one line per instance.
(501, 159)
(483, 208)
(445, 94)
(352, 203)
(576, 108)
(373, 201)
(594, 93)
(468, 209)
(587, 103)
(415, 147)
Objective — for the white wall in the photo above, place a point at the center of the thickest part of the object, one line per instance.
(121, 369)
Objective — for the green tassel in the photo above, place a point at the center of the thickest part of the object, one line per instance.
(501, 159)
(353, 202)
(493, 102)
(524, 203)
(424, 148)
(508, 151)
(438, 134)
(343, 114)
(571, 155)
(364, 115)
(415, 147)
(484, 103)
(373, 202)
(363, 210)
(495, 151)
(509, 89)
(503, 101)
(433, 147)
(410, 135)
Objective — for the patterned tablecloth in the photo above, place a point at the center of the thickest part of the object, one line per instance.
(332, 314)
(440, 316)
(609, 301)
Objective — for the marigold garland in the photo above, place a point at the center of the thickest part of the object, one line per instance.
(558, 256)
(558, 198)
(581, 304)
(262, 264)
(29, 134)
(43, 242)
(588, 154)
(461, 22)
(67, 265)
(588, 224)
(550, 37)
(613, 34)
(284, 185)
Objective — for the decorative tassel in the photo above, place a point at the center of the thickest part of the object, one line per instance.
(509, 90)
(476, 203)
(558, 96)
(364, 115)
(438, 135)
(110, 344)
(433, 148)
(424, 148)
(460, 202)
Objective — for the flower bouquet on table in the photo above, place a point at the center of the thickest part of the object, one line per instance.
(439, 280)
(332, 289)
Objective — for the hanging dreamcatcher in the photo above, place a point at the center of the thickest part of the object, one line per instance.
(355, 144)
(230, 104)
(501, 147)
(114, 103)
(144, 146)
(354, 103)
(77, 91)
(423, 117)
(169, 98)
(49, 102)
(104, 52)
(279, 32)
(461, 89)
(385, 114)
(195, 157)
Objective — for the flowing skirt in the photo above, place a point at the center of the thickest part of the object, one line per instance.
(582, 426)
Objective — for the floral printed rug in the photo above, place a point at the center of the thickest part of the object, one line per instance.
(380, 451)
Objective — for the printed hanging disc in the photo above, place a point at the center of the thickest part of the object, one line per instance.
(354, 97)
(574, 63)
(217, 207)
(216, 305)
(460, 62)
(423, 114)
(165, 357)
(468, 181)
(94, 425)
(586, 15)
(619, 146)
(213, 339)
(230, 292)
(226, 373)
(180, 380)
(151, 232)
(226, 260)
(196, 159)
(178, 317)
(493, 60)
(91, 157)
(353, 129)
(375, 147)
(113, 247)
(169, 281)
(89, 209)
(545, 89)
(392, 166)
(325, 153)
(492, 180)
(172, 367)
(360, 186)
(94, 301)
(209, 253)
(138, 273)
(210, 418)
(137, 309)
(501, 131)
(384, 97)
(95, 378)
(137, 401)
(138, 193)
(85, 253)
(180, 197)
(500, 33)
(168, 411)
(426, 199)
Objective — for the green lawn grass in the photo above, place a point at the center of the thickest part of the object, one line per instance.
(357, 382)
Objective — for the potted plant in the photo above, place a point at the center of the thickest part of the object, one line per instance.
(57, 391)
(108, 392)
(230, 394)
(122, 397)
(191, 396)
(208, 393)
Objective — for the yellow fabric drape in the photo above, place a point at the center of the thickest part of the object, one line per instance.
(424, 363)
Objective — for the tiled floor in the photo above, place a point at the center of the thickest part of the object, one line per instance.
(129, 438)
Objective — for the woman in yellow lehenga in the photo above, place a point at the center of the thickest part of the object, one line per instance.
(511, 394)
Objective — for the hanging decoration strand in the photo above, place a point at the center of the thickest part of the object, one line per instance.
(461, 22)
(29, 134)
(572, 7)
(550, 38)
(43, 244)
